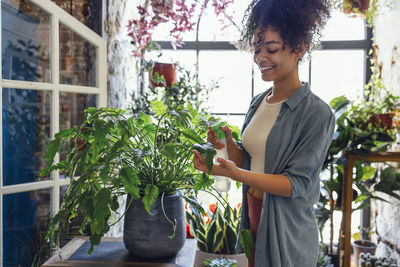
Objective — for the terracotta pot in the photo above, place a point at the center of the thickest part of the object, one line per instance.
(385, 120)
(349, 6)
(162, 6)
(365, 246)
(168, 70)
(201, 256)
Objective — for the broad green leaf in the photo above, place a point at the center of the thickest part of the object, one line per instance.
(192, 135)
(388, 176)
(51, 150)
(101, 209)
(150, 195)
(203, 183)
(129, 178)
(208, 151)
(247, 242)
(368, 172)
(339, 102)
(100, 131)
(158, 107)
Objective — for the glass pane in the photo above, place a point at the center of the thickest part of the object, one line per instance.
(26, 133)
(232, 70)
(185, 58)
(211, 29)
(25, 42)
(336, 73)
(77, 59)
(88, 12)
(342, 27)
(72, 108)
(25, 223)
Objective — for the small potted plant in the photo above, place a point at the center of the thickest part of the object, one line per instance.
(362, 245)
(149, 158)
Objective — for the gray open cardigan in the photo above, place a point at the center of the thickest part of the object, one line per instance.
(296, 147)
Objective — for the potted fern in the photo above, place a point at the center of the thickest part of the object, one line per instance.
(149, 158)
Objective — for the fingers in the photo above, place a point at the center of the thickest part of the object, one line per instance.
(199, 162)
(212, 138)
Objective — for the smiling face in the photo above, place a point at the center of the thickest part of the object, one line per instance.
(277, 63)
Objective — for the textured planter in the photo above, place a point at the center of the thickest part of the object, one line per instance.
(365, 246)
(168, 70)
(147, 236)
(201, 256)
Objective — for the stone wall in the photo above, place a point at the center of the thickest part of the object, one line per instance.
(122, 76)
(386, 216)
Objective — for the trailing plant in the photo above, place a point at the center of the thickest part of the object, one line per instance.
(323, 260)
(366, 259)
(182, 14)
(111, 154)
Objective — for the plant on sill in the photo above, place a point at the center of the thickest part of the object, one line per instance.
(187, 91)
(368, 9)
(111, 154)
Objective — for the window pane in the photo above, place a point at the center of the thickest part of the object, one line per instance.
(72, 108)
(336, 73)
(25, 223)
(185, 58)
(232, 70)
(25, 42)
(342, 27)
(77, 59)
(26, 133)
(211, 29)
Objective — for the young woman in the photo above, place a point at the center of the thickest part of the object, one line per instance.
(285, 136)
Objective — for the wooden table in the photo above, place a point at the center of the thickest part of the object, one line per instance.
(112, 253)
(347, 196)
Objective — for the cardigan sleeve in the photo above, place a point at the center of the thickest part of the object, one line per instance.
(305, 163)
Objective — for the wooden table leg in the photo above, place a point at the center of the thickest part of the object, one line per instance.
(347, 198)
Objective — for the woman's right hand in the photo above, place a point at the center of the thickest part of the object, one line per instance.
(212, 137)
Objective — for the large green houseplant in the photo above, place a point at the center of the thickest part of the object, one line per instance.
(111, 154)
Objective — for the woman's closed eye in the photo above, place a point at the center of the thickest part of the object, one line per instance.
(272, 51)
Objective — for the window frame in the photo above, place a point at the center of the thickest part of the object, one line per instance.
(57, 16)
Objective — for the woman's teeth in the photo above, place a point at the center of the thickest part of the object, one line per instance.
(266, 68)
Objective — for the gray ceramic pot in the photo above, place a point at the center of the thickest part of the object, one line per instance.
(147, 235)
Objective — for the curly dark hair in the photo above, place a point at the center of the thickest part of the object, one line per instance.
(297, 21)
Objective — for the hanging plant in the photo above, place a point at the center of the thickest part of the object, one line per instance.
(183, 15)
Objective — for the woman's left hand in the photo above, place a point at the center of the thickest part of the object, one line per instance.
(225, 167)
